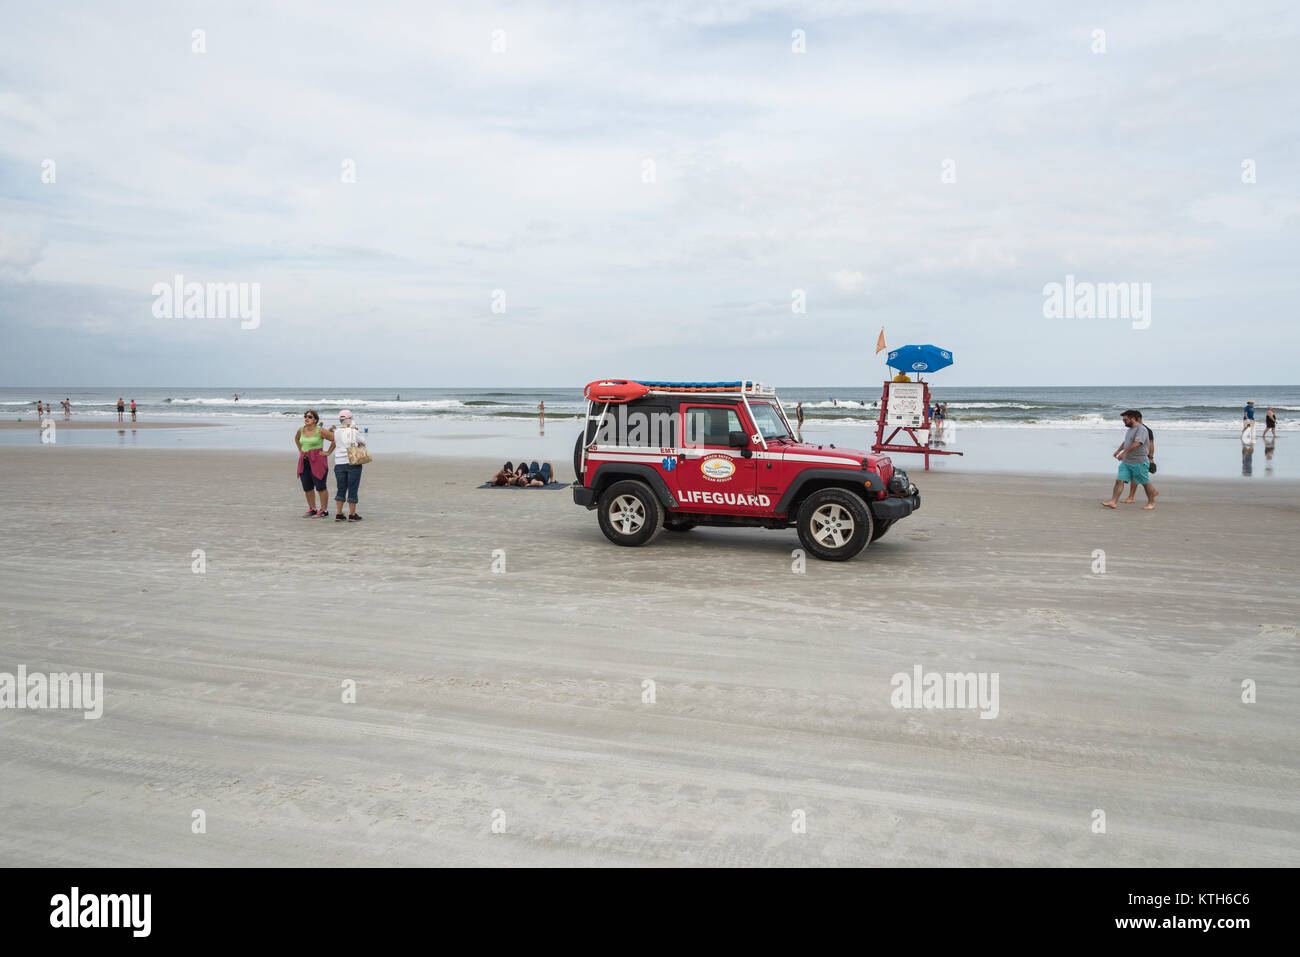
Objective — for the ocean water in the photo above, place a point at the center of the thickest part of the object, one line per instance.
(1033, 429)
(1191, 408)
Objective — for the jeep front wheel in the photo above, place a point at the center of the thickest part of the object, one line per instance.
(834, 524)
(629, 513)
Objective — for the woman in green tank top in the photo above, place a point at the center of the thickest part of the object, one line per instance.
(313, 462)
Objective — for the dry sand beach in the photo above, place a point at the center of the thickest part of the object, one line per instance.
(518, 697)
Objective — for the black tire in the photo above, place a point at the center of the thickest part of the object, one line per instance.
(629, 513)
(678, 523)
(577, 457)
(834, 524)
(881, 528)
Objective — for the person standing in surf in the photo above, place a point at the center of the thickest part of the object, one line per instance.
(1270, 423)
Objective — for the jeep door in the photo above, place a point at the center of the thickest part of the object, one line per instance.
(710, 475)
(774, 471)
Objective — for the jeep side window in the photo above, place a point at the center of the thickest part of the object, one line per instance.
(638, 424)
(711, 427)
(768, 422)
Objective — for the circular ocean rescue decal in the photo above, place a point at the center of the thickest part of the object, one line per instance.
(718, 468)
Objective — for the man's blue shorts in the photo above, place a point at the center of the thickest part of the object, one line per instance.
(1134, 472)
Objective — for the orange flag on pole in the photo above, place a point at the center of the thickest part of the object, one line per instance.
(880, 341)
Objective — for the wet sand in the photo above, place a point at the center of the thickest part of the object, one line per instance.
(520, 698)
(61, 423)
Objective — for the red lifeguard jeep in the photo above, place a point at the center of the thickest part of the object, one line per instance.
(681, 454)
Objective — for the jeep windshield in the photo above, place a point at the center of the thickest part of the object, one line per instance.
(768, 421)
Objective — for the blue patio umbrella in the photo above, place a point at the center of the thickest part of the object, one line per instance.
(925, 358)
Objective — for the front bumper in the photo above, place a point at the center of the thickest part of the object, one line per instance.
(895, 507)
(583, 496)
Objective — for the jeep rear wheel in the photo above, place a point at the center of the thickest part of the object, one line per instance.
(629, 513)
(834, 524)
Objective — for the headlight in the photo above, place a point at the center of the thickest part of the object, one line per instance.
(899, 483)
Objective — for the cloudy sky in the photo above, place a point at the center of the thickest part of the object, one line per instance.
(646, 188)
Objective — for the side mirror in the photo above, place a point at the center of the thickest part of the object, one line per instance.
(739, 440)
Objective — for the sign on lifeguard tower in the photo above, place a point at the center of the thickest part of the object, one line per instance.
(905, 406)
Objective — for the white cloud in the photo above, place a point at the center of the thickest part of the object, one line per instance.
(18, 256)
(848, 280)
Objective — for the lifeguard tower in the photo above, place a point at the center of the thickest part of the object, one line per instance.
(905, 405)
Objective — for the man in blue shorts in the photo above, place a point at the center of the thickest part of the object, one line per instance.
(1133, 458)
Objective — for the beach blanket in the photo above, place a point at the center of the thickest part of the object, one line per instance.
(536, 488)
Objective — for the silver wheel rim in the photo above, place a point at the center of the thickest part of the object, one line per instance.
(627, 514)
(832, 525)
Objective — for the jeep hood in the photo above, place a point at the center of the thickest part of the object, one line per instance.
(880, 464)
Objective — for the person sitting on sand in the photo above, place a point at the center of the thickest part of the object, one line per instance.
(536, 479)
(525, 477)
(313, 463)
(1132, 453)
